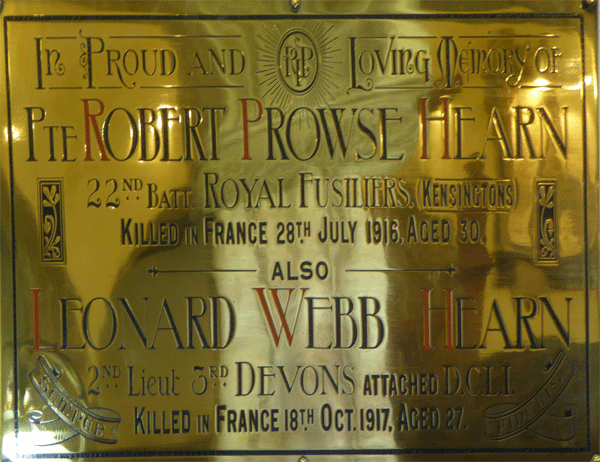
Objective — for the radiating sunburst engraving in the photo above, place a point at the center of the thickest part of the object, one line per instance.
(298, 64)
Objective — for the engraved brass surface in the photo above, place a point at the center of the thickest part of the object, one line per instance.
(319, 230)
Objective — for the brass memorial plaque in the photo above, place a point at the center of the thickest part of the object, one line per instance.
(308, 230)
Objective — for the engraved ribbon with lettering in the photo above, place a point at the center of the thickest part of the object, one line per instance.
(504, 421)
(96, 424)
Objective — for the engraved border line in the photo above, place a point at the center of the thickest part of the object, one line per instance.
(510, 36)
(171, 36)
(586, 227)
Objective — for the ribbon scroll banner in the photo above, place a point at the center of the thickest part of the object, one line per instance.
(504, 421)
(96, 424)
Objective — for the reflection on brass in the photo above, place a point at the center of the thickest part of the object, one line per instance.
(361, 231)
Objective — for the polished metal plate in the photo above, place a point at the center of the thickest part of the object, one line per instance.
(329, 231)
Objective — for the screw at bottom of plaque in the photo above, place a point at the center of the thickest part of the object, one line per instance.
(596, 458)
(304, 459)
